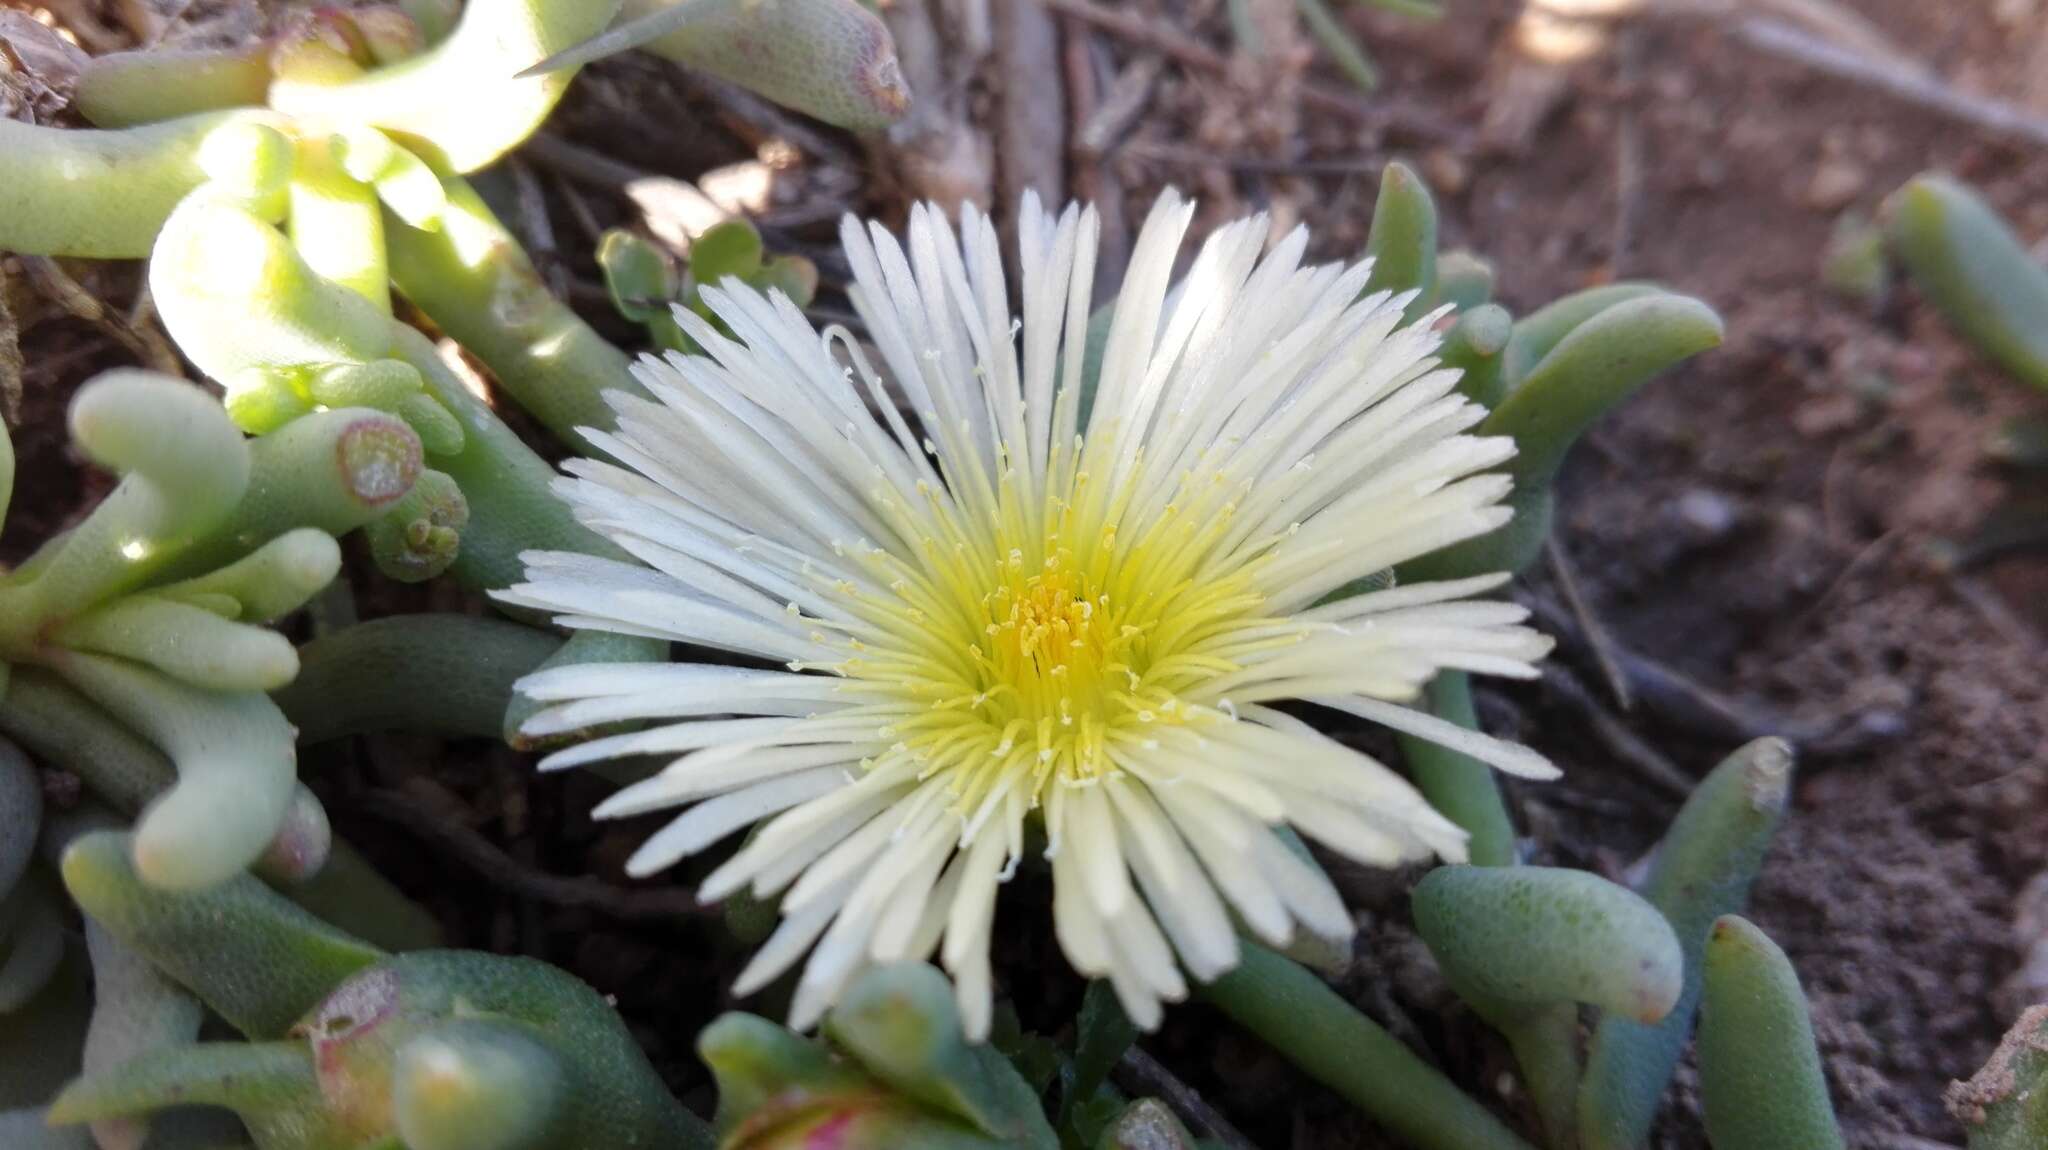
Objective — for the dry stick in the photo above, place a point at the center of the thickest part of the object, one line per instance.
(77, 18)
(506, 873)
(1884, 1140)
(1615, 735)
(757, 121)
(1994, 116)
(1193, 53)
(1628, 165)
(1146, 1075)
(579, 208)
(536, 230)
(1680, 703)
(67, 293)
(580, 163)
(1088, 104)
(1031, 142)
(1825, 18)
(1669, 694)
(1589, 625)
(1995, 610)
(1186, 157)
(1121, 106)
(12, 366)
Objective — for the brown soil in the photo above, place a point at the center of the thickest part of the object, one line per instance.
(1760, 521)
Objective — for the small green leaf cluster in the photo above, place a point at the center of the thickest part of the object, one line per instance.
(646, 285)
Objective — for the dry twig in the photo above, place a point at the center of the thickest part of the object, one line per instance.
(536, 229)
(141, 340)
(1031, 138)
(508, 874)
(11, 364)
(1194, 54)
(1615, 735)
(1997, 117)
(1595, 634)
(1144, 1074)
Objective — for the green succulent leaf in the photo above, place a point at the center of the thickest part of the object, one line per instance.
(1402, 242)
(1540, 935)
(1968, 262)
(1703, 870)
(1761, 1082)
(285, 960)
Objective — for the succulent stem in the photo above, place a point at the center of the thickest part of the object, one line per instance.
(184, 466)
(106, 194)
(464, 96)
(248, 1078)
(246, 305)
(1464, 789)
(1545, 1043)
(421, 535)
(447, 674)
(122, 89)
(1331, 1041)
(1541, 330)
(403, 181)
(356, 898)
(512, 507)
(69, 732)
(1590, 371)
(507, 487)
(269, 582)
(293, 959)
(187, 643)
(900, 1023)
(471, 277)
(332, 470)
(236, 770)
(136, 1012)
(337, 225)
(1475, 346)
(66, 730)
(1463, 280)
(1703, 870)
(1584, 374)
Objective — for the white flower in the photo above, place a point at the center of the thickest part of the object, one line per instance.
(992, 606)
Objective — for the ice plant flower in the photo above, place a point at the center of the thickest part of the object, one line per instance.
(1008, 602)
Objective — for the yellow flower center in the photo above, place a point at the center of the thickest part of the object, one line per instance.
(1027, 653)
(1055, 643)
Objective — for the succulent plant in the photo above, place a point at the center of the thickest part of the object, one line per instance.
(350, 1046)
(1760, 1074)
(282, 191)
(2004, 1106)
(1969, 264)
(151, 608)
(645, 285)
(893, 1069)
